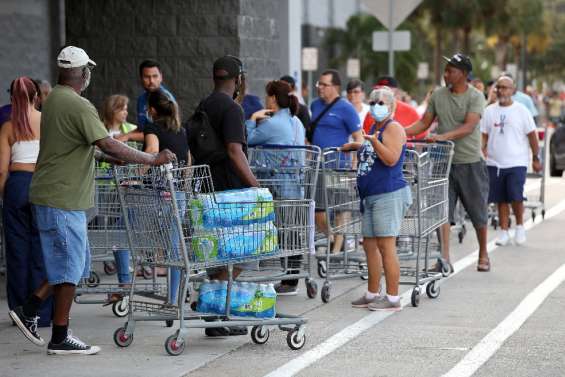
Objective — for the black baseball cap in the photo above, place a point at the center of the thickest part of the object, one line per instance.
(460, 61)
(386, 81)
(290, 80)
(230, 65)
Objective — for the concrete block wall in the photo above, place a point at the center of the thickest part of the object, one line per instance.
(185, 36)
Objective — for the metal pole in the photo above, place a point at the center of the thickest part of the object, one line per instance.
(310, 89)
(390, 34)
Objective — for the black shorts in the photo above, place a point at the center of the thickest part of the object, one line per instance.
(470, 184)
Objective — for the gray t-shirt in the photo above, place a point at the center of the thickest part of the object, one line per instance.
(451, 110)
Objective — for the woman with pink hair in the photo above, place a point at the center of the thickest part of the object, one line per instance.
(19, 148)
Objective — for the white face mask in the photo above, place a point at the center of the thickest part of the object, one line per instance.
(86, 75)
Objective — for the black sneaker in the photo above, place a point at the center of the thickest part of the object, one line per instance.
(71, 346)
(225, 331)
(27, 325)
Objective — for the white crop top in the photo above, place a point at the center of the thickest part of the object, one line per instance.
(25, 152)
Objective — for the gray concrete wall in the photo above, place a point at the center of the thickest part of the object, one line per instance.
(185, 36)
(30, 37)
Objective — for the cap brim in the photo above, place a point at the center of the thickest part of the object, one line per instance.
(91, 63)
(448, 60)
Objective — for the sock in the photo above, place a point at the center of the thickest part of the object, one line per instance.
(370, 295)
(59, 334)
(31, 307)
(393, 299)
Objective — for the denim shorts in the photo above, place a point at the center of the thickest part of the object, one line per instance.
(383, 213)
(506, 185)
(64, 244)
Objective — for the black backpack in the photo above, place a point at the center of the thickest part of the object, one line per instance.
(203, 141)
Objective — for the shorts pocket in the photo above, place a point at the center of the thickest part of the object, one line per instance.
(52, 228)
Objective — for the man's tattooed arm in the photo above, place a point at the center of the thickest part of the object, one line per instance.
(123, 153)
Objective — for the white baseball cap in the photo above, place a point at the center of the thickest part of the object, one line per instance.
(73, 57)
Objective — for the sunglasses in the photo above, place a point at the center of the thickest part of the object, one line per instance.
(373, 103)
(322, 84)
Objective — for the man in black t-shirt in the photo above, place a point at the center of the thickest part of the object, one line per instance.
(233, 172)
(226, 117)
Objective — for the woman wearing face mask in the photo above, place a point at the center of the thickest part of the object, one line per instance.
(385, 196)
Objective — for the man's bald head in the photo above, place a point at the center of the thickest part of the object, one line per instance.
(505, 89)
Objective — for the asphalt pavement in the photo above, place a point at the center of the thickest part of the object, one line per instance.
(473, 328)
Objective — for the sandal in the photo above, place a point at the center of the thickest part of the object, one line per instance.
(483, 265)
(113, 298)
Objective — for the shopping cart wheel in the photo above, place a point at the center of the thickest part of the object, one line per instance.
(543, 214)
(363, 268)
(533, 216)
(260, 334)
(445, 267)
(174, 346)
(415, 299)
(121, 308)
(169, 322)
(322, 269)
(325, 294)
(311, 288)
(121, 338)
(110, 268)
(93, 280)
(494, 223)
(432, 290)
(295, 340)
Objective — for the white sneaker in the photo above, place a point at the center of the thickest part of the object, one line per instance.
(520, 236)
(503, 238)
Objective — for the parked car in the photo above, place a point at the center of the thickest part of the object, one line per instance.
(557, 152)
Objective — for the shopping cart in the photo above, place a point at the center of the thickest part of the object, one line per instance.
(339, 199)
(426, 169)
(166, 206)
(106, 234)
(289, 172)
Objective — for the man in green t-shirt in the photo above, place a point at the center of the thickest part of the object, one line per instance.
(62, 189)
(458, 108)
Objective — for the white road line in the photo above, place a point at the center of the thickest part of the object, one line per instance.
(354, 330)
(494, 340)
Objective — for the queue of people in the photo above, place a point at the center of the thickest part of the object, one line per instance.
(44, 206)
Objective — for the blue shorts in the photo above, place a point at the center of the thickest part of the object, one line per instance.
(506, 185)
(64, 244)
(383, 213)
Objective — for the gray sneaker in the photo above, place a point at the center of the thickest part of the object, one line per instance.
(286, 290)
(385, 305)
(363, 301)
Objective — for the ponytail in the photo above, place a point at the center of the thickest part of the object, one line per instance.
(23, 93)
(294, 104)
(282, 92)
(167, 110)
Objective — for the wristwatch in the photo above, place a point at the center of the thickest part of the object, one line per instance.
(537, 157)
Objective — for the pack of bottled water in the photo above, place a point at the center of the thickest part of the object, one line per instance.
(247, 299)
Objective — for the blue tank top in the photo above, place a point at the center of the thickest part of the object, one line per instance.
(373, 176)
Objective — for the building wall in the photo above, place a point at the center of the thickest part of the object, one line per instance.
(29, 42)
(185, 36)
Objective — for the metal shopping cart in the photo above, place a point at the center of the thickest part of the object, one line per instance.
(289, 172)
(426, 168)
(165, 205)
(106, 234)
(338, 198)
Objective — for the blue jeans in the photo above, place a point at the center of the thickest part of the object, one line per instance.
(24, 259)
(64, 244)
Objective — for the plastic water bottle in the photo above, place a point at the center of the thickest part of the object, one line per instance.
(204, 297)
(221, 295)
(268, 297)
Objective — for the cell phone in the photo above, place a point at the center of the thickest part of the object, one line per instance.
(269, 113)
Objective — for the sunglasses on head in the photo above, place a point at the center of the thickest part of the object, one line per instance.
(373, 103)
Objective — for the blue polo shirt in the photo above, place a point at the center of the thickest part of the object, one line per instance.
(335, 127)
(142, 114)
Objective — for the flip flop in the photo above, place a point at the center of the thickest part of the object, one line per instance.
(483, 265)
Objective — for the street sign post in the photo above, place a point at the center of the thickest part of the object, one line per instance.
(353, 68)
(310, 64)
(400, 41)
(391, 13)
